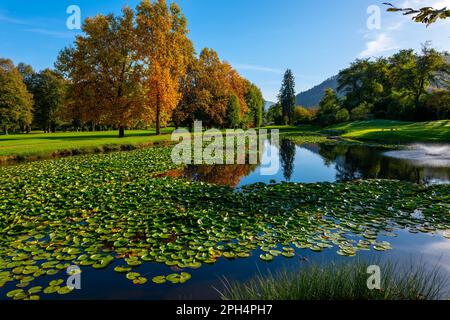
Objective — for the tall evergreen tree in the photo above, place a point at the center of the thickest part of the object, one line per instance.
(287, 96)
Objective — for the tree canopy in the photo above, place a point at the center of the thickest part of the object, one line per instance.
(16, 103)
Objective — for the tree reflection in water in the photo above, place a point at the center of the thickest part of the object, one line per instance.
(287, 156)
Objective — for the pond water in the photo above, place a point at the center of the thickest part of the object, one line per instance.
(413, 236)
(310, 163)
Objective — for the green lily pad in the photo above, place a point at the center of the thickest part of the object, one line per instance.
(266, 257)
(159, 279)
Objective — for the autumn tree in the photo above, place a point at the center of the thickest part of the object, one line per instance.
(104, 74)
(287, 96)
(165, 51)
(207, 90)
(16, 103)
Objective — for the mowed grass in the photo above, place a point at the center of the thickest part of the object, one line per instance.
(395, 131)
(47, 143)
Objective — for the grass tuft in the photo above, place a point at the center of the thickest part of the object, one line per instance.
(341, 281)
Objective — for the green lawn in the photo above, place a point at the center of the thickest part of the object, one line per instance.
(40, 144)
(46, 143)
(395, 131)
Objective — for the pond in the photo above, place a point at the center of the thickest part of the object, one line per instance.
(114, 213)
(311, 163)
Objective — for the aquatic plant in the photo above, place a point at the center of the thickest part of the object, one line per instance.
(113, 209)
(341, 281)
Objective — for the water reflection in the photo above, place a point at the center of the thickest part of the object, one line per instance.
(311, 163)
(287, 156)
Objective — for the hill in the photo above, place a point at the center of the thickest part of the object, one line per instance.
(312, 97)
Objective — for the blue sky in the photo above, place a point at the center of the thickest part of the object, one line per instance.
(260, 38)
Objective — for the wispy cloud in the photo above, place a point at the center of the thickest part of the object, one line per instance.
(52, 33)
(7, 19)
(35, 26)
(249, 67)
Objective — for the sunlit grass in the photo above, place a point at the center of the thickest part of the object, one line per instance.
(45, 143)
(342, 281)
(396, 131)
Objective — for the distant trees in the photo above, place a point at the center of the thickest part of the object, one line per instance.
(16, 103)
(396, 87)
(287, 97)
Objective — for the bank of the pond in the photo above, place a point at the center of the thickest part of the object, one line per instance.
(111, 211)
(389, 131)
(40, 146)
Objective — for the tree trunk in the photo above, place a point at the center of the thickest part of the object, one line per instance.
(158, 117)
(121, 132)
(6, 131)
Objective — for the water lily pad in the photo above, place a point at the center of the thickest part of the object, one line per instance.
(64, 290)
(266, 257)
(122, 269)
(133, 275)
(159, 279)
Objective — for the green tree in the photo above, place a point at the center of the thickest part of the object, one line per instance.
(429, 63)
(233, 112)
(275, 114)
(16, 103)
(287, 97)
(255, 102)
(328, 108)
(48, 90)
(27, 73)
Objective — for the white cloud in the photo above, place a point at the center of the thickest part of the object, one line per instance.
(439, 4)
(381, 44)
(400, 32)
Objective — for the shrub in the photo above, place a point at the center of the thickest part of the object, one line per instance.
(342, 115)
(302, 115)
(361, 112)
